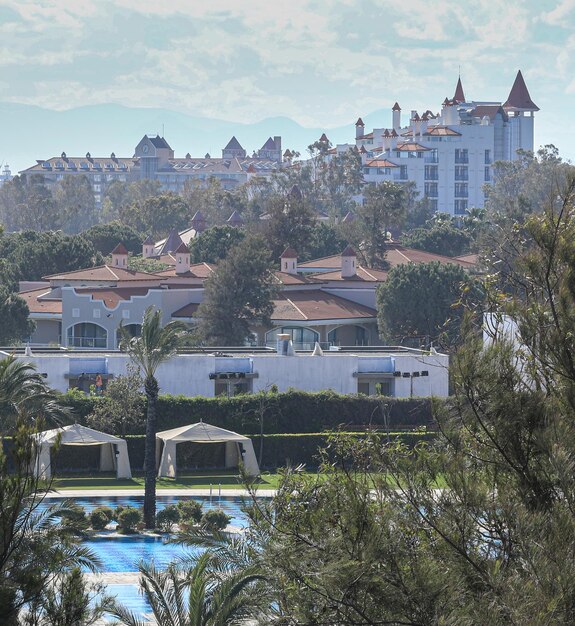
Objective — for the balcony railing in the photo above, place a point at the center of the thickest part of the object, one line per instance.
(87, 342)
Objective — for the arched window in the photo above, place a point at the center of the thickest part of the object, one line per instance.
(135, 330)
(87, 335)
(348, 335)
(302, 338)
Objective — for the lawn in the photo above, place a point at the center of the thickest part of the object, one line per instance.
(196, 480)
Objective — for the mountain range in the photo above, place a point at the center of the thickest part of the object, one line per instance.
(30, 132)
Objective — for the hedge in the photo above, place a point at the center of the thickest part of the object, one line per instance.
(290, 412)
(278, 450)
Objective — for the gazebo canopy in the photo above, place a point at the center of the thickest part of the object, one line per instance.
(113, 455)
(238, 447)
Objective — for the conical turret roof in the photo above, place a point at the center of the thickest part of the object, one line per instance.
(459, 95)
(519, 98)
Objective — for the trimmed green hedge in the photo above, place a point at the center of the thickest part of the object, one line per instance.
(290, 412)
(278, 450)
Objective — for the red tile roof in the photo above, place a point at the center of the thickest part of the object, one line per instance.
(441, 131)
(396, 255)
(111, 297)
(317, 305)
(288, 253)
(361, 275)
(411, 147)
(39, 301)
(120, 249)
(103, 272)
(381, 163)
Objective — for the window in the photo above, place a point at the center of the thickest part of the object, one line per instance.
(461, 190)
(126, 314)
(431, 172)
(97, 188)
(75, 312)
(461, 155)
(386, 171)
(87, 335)
(487, 175)
(302, 338)
(382, 387)
(134, 330)
(432, 203)
(460, 207)
(97, 178)
(431, 156)
(461, 172)
(488, 157)
(366, 170)
(431, 190)
(96, 313)
(403, 172)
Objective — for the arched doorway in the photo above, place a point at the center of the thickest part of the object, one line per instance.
(87, 335)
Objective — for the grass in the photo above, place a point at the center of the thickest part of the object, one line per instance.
(197, 480)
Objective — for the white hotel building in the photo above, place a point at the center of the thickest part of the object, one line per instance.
(449, 154)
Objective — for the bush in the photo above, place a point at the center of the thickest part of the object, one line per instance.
(101, 516)
(215, 519)
(75, 517)
(128, 519)
(166, 518)
(98, 520)
(190, 511)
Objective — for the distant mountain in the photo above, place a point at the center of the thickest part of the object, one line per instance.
(31, 132)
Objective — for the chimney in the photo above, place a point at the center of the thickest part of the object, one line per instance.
(396, 116)
(359, 128)
(182, 259)
(284, 345)
(288, 261)
(148, 247)
(348, 263)
(120, 256)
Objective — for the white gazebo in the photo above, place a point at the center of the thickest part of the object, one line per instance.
(113, 450)
(238, 448)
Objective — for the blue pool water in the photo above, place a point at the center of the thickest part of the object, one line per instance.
(123, 553)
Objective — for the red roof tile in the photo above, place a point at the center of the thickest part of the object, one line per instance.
(120, 249)
(39, 301)
(111, 297)
(317, 305)
(288, 253)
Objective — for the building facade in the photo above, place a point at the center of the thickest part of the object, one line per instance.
(392, 371)
(154, 159)
(448, 154)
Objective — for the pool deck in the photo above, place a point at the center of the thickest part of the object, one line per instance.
(94, 493)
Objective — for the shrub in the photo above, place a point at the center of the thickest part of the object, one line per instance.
(190, 510)
(98, 519)
(166, 518)
(75, 517)
(128, 519)
(215, 519)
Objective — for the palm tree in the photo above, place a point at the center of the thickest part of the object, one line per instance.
(154, 346)
(212, 599)
(34, 547)
(24, 394)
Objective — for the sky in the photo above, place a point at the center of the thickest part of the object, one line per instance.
(321, 63)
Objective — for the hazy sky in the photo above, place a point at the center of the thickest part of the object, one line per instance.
(320, 62)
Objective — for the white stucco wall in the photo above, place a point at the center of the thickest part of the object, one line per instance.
(189, 375)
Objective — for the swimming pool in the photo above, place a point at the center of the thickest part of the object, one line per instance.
(123, 553)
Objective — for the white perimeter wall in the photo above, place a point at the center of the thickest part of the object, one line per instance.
(188, 375)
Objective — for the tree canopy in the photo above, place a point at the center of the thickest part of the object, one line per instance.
(238, 295)
(417, 301)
